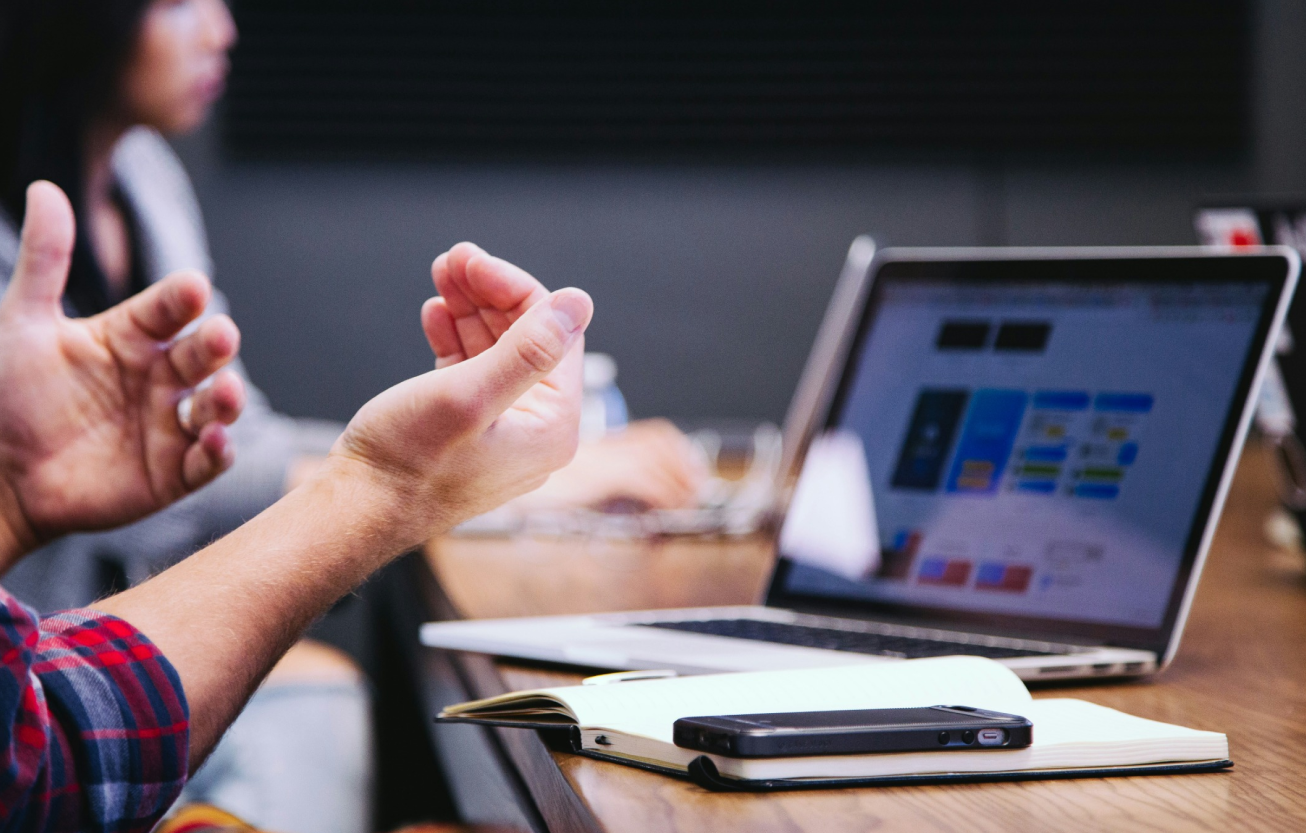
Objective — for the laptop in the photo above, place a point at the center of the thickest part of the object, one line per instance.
(1023, 454)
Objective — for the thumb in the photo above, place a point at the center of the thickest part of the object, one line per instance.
(45, 249)
(528, 352)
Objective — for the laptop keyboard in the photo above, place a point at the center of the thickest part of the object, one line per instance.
(836, 639)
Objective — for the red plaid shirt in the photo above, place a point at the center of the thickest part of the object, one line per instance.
(94, 733)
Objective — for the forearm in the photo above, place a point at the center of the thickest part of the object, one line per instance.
(226, 614)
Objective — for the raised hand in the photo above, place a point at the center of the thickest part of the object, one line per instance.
(500, 413)
(480, 297)
(90, 435)
(650, 463)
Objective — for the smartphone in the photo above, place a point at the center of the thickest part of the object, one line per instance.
(786, 734)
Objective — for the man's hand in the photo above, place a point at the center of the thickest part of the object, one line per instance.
(89, 429)
(650, 462)
(499, 414)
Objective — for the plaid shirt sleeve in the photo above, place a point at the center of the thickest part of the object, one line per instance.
(94, 733)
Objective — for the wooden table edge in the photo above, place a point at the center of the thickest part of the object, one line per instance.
(542, 788)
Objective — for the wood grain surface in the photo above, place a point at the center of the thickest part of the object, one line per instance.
(1241, 670)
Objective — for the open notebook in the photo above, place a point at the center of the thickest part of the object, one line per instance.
(631, 722)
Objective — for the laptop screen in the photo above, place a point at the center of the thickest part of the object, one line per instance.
(1026, 451)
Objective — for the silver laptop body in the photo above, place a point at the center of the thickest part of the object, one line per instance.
(1041, 443)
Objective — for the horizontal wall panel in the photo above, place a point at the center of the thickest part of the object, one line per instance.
(507, 77)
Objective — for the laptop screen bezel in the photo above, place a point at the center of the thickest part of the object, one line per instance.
(1274, 270)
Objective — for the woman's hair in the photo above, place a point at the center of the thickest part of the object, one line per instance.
(60, 63)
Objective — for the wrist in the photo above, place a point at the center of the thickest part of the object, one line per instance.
(370, 502)
(16, 535)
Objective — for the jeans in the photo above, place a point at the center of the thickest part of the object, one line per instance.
(298, 759)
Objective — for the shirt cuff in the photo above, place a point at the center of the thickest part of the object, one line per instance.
(120, 707)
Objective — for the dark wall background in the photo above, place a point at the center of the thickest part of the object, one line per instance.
(709, 276)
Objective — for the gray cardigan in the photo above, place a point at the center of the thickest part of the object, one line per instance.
(70, 572)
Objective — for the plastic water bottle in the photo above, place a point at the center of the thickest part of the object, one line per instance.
(603, 408)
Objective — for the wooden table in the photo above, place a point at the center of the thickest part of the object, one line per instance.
(1241, 670)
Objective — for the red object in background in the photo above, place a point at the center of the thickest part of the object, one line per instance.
(1244, 239)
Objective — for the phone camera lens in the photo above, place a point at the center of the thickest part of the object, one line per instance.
(944, 737)
(967, 736)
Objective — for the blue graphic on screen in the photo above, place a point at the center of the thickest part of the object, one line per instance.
(929, 439)
(1101, 491)
(986, 440)
(1047, 440)
(1061, 400)
(1057, 476)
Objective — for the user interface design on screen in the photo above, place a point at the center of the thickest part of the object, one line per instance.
(1038, 450)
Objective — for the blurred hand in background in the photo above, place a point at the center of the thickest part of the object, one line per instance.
(649, 464)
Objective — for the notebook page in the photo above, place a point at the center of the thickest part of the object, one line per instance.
(1083, 729)
(649, 708)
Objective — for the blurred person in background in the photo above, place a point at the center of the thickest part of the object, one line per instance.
(88, 90)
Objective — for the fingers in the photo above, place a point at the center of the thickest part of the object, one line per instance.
(527, 353)
(651, 461)
(483, 294)
(441, 333)
(220, 402)
(45, 249)
(665, 494)
(506, 290)
(163, 310)
(672, 451)
(202, 353)
(651, 486)
(211, 454)
(211, 410)
(472, 280)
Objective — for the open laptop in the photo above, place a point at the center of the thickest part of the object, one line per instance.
(1044, 437)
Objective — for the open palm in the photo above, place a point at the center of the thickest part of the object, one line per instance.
(500, 412)
(89, 434)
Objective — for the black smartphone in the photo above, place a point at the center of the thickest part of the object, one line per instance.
(859, 731)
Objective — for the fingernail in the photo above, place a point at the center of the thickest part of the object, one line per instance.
(570, 309)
